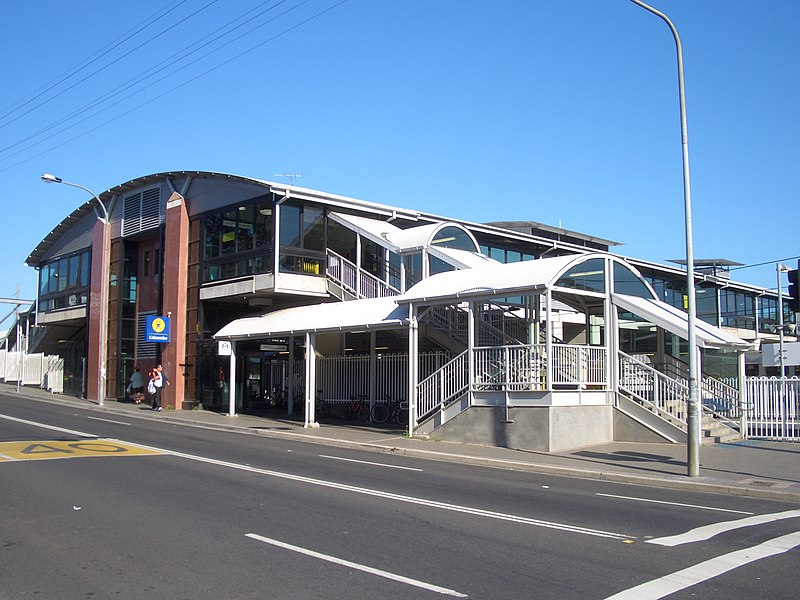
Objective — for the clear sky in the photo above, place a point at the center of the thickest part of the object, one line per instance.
(563, 112)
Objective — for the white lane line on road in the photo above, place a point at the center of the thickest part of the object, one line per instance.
(365, 462)
(674, 582)
(109, 421)
(398, 497)
(741, 512)
(351, 565)
(705, 532)
(366, 491)
(51, 427)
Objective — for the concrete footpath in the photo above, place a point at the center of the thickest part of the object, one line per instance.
(768, 470)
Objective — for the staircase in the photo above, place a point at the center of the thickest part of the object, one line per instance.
(642, 390)
(347, 282)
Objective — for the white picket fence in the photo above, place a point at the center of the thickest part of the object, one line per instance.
(44, 371)
(773, 408)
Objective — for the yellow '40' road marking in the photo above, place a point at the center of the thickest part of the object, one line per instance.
(45, 450)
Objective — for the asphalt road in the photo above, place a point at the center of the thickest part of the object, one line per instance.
(97, 506)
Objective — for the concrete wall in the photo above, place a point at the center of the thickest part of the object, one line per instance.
(544, 429)
(627, 429)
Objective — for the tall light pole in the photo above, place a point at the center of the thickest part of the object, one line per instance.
(779, 268)
(693, 413)
(101, 379)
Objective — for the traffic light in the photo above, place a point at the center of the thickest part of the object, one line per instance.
(794, 291)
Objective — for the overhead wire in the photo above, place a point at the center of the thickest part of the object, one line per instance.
(91, 59)
(149, 73)
(184, 83)
(116, 60)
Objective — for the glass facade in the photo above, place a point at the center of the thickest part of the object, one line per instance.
(589, 276)
(671, 290)
(629, 283)
(738, 309)
(64, 283)
(238, 240)
(505, 255)
(302, 236)
(453, 237)
(706, 304)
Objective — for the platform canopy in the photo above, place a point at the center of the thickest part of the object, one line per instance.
(376, 313)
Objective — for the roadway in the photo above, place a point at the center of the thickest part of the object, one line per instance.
(101, 505)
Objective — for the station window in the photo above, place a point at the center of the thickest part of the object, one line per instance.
(63, 282)
(237, 240)
(588, 276)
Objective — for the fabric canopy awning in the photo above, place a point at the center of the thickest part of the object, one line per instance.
(490, 280)
(676, 321)
(376, 313)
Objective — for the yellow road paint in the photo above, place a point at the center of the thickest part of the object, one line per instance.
(45, 450)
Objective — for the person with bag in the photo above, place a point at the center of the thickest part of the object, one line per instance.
(136, 387)
(157, 380)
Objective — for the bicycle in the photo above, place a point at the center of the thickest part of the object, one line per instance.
(390, 411)
(357, 409)
(277, 397)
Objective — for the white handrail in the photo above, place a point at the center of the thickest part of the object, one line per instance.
(358, 282)
(667, 396)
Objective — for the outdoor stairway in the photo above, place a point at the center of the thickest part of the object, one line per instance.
(659, 402)
(715, 431)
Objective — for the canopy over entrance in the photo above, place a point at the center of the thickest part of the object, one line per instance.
(572, 274)
(376, 313)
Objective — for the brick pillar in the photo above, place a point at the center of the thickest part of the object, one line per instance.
(93, 325)
(174, 279)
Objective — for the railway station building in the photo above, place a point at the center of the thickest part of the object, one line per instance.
(284, 300)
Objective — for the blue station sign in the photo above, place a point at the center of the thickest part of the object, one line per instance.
(157, 329)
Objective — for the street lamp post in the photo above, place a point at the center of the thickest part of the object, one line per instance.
(693, 413)
(101, 380)
(779, 268)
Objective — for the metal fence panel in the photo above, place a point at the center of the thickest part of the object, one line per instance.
(773, 408)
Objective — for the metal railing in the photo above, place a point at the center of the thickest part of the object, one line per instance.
(513, 368)
(773, 408)
(341, 377)
(581, 365)
(509, 368)
(358, 282)
(721, 399)
(667, 397)
(496, 325)
(443, 386)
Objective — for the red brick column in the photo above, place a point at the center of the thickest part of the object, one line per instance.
(95, 295)
(174, 279)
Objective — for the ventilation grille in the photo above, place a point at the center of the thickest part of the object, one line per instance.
(144, 349)
(141, 211)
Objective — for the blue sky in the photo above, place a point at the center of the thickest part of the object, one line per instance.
(563, 112)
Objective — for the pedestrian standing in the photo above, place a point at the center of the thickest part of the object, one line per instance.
(137, 386)
(158, 378)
